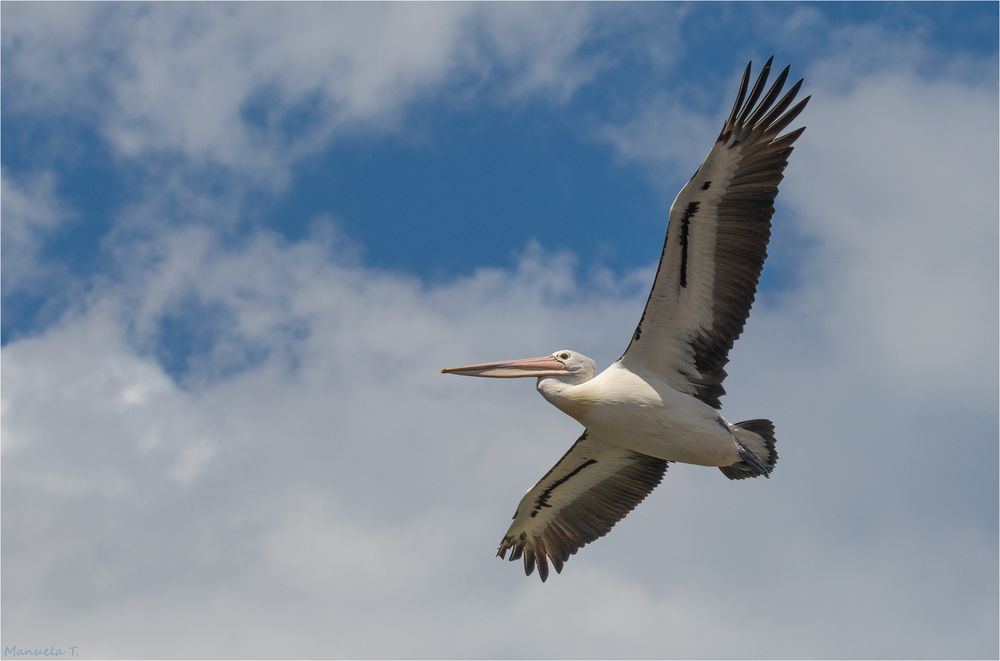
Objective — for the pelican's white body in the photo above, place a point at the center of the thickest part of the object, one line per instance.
(643, 413)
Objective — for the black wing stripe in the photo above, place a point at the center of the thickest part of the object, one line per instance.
(689, 213)
(543, 499)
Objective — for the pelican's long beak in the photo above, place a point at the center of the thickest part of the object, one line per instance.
(509, 369)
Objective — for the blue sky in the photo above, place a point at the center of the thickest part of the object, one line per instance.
(467, 175)
(235, 235)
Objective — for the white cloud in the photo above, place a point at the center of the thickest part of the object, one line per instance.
(30, 215)
(909, 235)
(539, 45)
(343, 488)
(255, 87)
(667, 138)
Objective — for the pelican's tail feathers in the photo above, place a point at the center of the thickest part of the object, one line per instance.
(756, 437)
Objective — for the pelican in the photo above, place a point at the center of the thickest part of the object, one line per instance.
(659, 402)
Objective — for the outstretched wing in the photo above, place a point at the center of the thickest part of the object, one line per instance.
(716, 244)
(581, 498)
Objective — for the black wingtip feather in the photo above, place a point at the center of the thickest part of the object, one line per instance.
(789, 116)
(543, 567)
(739, 97)
(769, 98)
(789, 138)
(758, 87)
(781, 105)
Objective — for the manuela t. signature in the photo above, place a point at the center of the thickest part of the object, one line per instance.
(51, 651)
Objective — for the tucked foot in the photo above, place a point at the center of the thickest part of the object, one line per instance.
(755, 444)
(751, 459)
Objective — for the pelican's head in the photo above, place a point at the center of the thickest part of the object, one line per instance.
(564, 365)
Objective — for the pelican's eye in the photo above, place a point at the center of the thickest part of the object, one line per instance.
(564, 355)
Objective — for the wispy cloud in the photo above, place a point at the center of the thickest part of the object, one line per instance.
(665, 138)
(344, 474)
(908, 235)
(31, 214)
(255, 87)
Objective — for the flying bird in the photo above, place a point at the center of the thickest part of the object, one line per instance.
(659, 402)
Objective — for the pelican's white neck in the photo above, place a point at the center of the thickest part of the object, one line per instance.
(565, 393)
